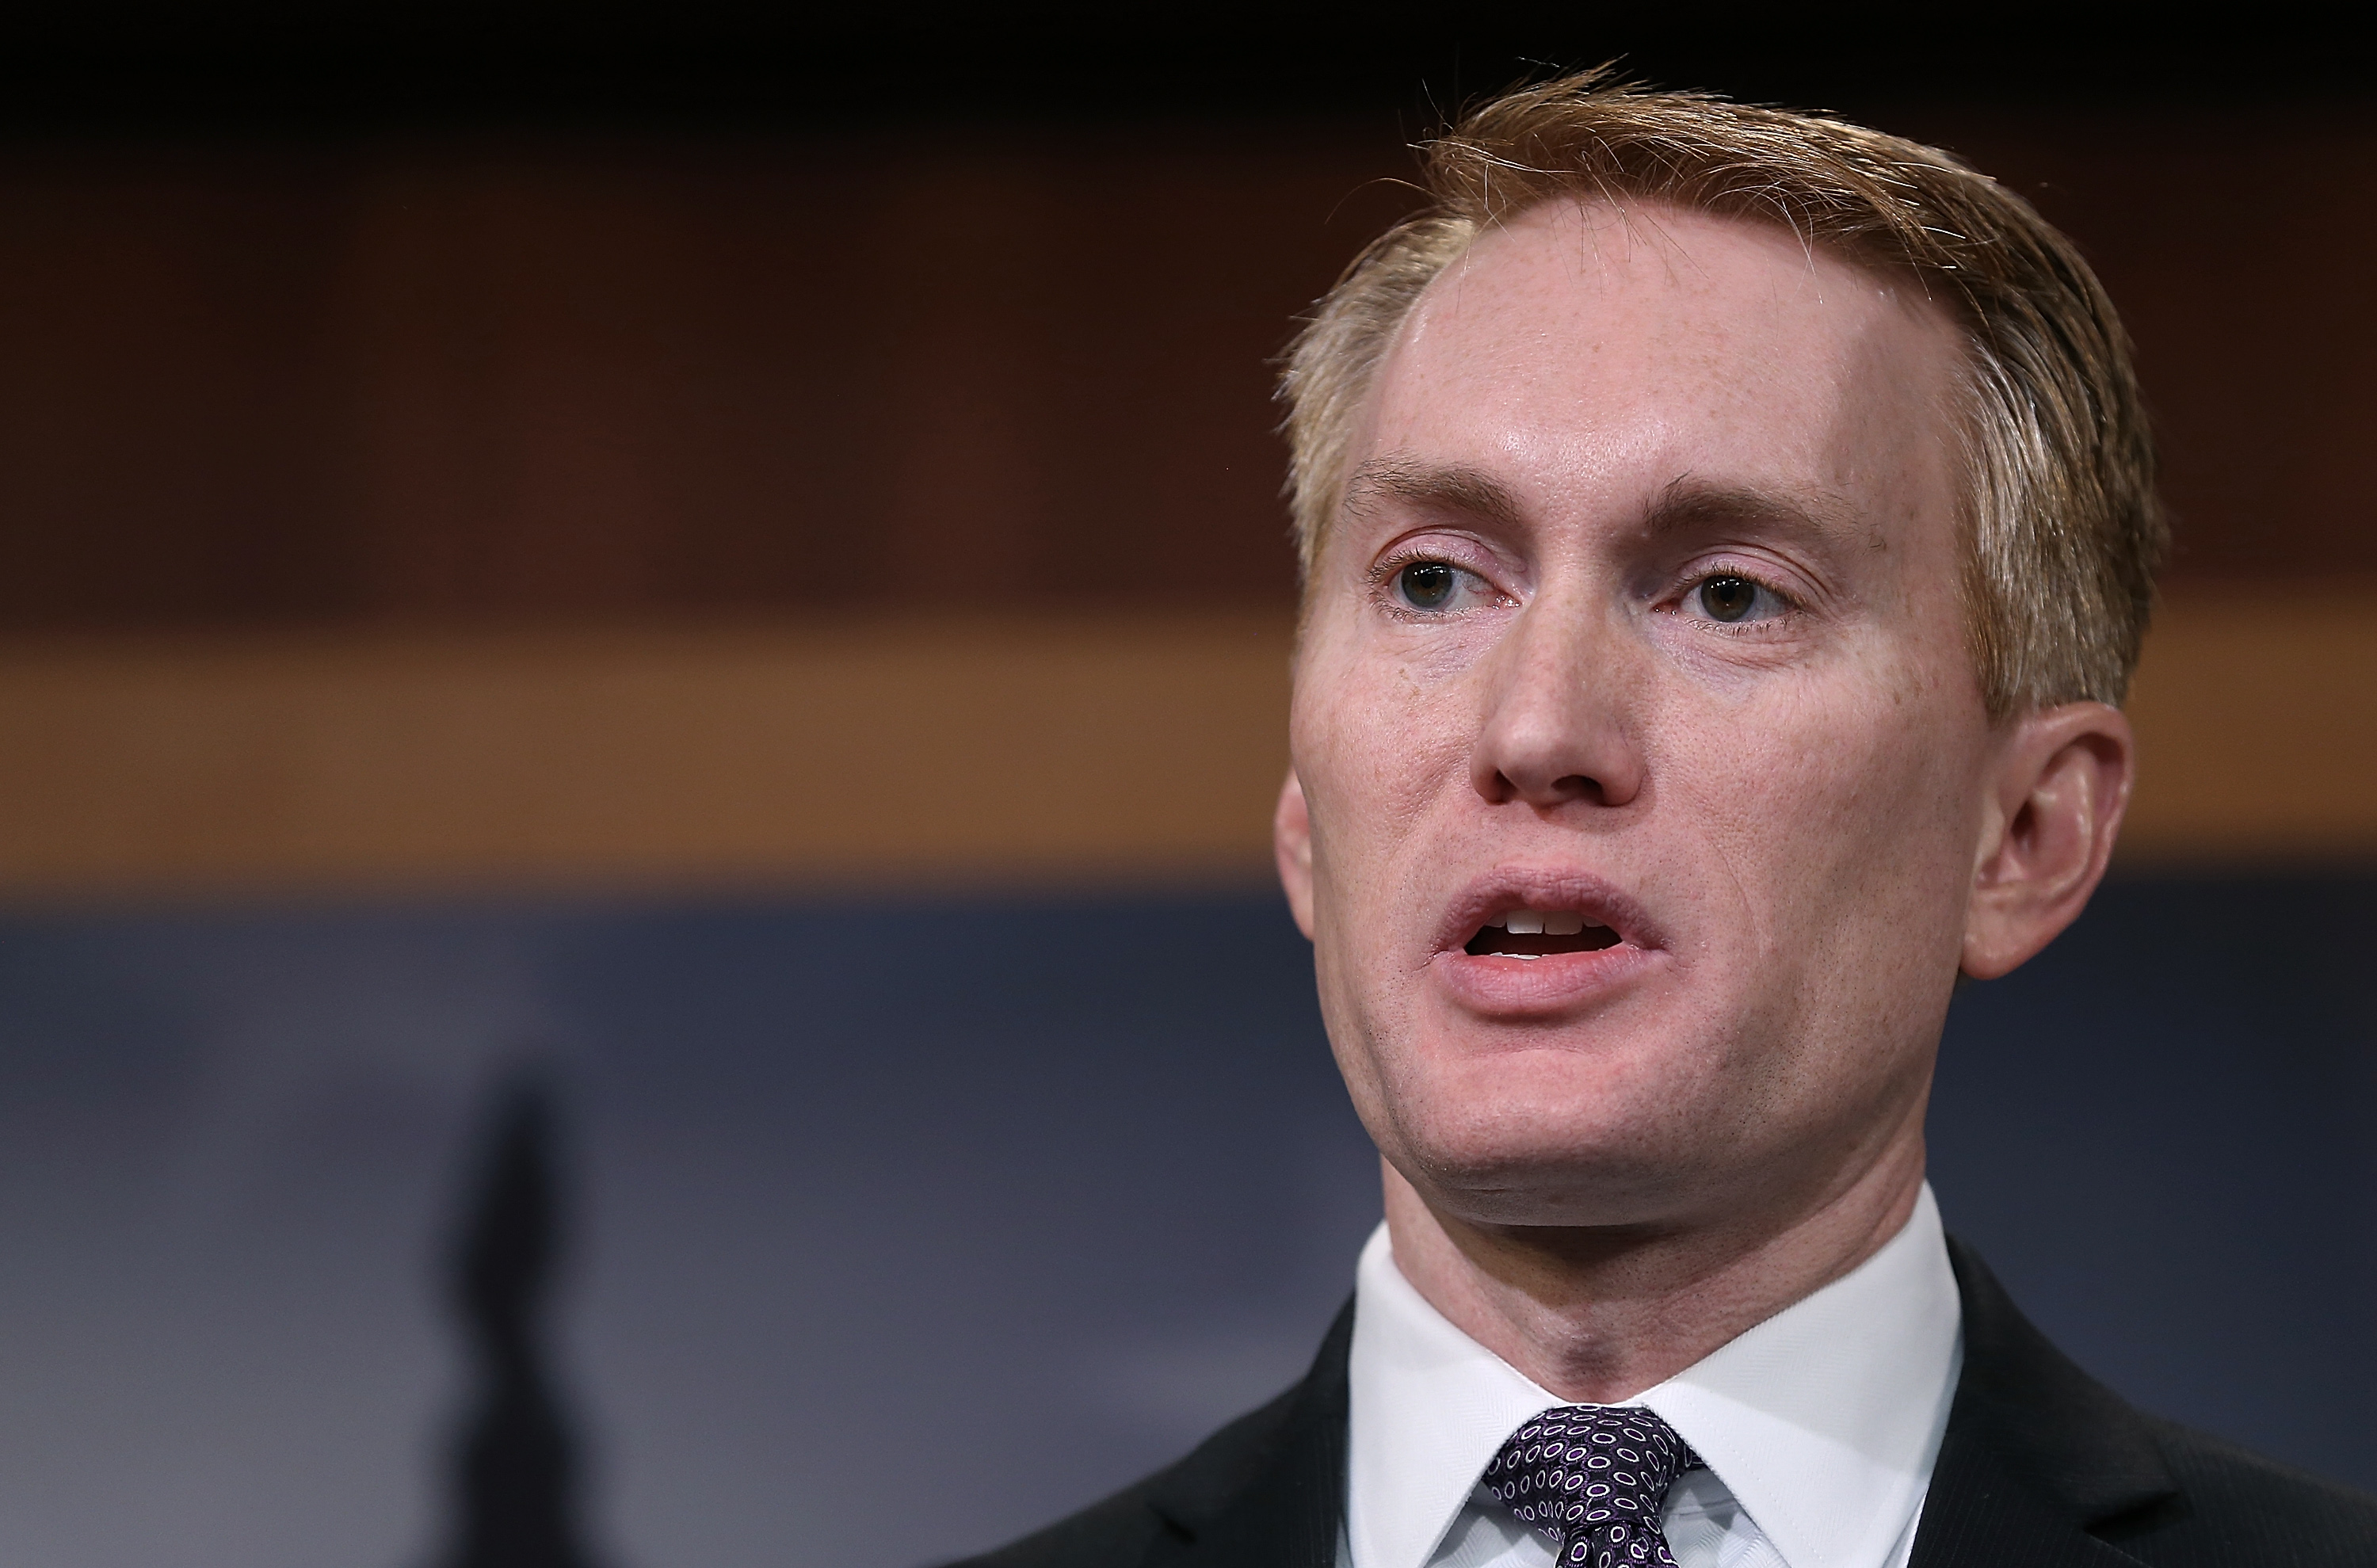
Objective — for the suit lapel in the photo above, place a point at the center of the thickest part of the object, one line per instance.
(2038, 1456)
(1275, 1499)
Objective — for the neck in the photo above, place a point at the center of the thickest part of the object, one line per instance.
(1597, 1314)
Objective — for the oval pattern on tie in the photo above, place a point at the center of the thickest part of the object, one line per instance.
(1594, 1480)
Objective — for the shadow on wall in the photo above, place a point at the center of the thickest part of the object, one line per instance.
(1075, 1174)
(516, 1472)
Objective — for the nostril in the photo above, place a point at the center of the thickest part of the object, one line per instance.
(1576, 786)
(1500, 789)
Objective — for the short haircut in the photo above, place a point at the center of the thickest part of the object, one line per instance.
(2062, 532)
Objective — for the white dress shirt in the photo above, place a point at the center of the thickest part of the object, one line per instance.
(1819, 1427)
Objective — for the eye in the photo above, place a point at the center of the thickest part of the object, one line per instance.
(1431, 587)
(1731, 598)
(1427, 585)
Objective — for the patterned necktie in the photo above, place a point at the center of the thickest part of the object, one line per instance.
(1595, 1479)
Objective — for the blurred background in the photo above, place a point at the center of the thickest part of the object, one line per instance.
(728, 560)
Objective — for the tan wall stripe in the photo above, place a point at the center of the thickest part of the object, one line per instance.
(694, 758)
(986, 752)
(2257, 731)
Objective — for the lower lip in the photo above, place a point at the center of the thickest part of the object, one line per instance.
(1551, 983)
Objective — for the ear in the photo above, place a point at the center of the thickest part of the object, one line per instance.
(1291, 845)
(2062, 781)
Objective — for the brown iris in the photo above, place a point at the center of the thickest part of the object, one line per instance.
(1729, 598)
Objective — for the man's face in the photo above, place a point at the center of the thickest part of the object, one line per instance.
(1641, 626)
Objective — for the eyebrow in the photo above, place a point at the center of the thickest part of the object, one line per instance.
(1687, 502)
(1453, 488)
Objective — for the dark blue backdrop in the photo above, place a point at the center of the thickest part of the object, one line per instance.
(1074, 1176)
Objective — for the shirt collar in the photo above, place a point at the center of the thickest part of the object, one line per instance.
(1822, 1421)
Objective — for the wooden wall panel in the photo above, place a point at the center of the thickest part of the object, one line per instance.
(2236, 247)
(2256, 713)
(482, 380)
(170, 418)
(413, 451)
(431, 382)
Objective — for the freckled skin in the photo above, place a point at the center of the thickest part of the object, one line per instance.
(1804, 802)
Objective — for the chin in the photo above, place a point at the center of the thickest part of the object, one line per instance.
(1520, 1163)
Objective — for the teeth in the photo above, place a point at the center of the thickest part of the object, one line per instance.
(1543, 923)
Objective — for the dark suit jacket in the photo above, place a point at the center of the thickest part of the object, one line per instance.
(2042, 1467)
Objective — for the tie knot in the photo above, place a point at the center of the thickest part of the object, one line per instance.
(1595, 1479)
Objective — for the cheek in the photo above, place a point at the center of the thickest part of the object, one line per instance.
(1833, 815)
(1374, 748)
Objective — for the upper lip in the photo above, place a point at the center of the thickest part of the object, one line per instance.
(1544, 887)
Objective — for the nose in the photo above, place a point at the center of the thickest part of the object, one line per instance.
(1556, 727)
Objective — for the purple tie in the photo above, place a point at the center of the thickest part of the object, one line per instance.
(1595, 1479)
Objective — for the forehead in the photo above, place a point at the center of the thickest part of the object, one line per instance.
(1586, 346)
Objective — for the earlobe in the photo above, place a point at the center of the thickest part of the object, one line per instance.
(2063, 781)
(1290, 842)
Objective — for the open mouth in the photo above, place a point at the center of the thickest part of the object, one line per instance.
(1533, 933)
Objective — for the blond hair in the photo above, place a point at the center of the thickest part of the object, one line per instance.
(2062, 532)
